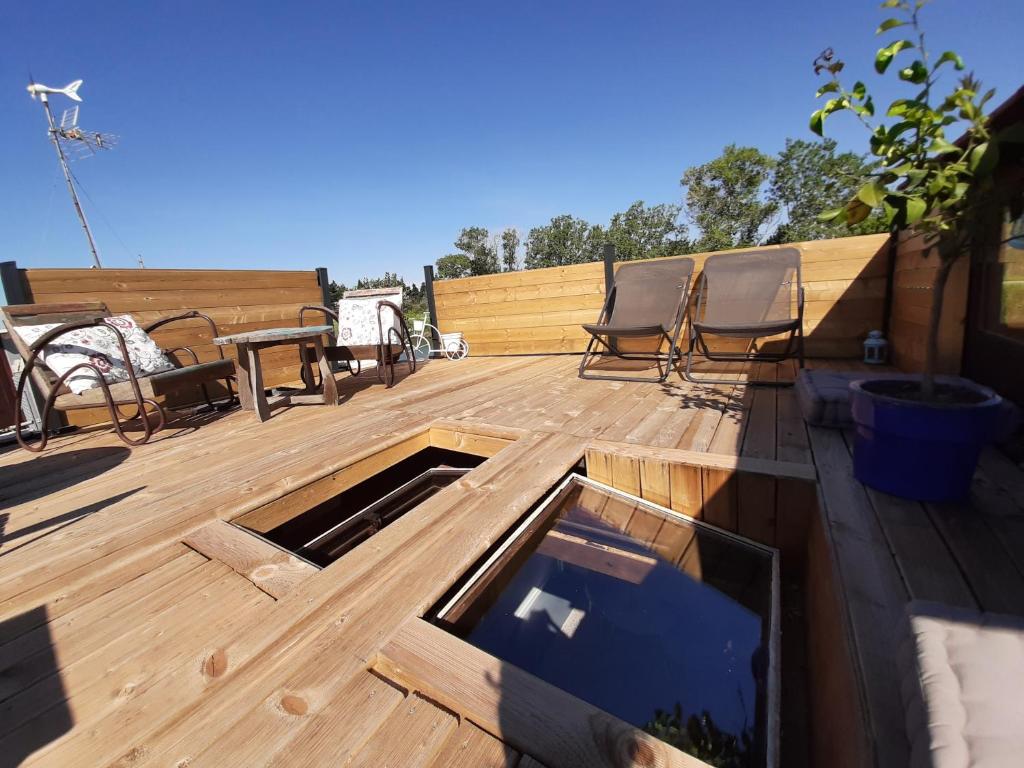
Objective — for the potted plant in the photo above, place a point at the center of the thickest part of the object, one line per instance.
(921, 438)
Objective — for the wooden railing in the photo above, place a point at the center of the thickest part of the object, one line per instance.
(540, 311)
(237, 300)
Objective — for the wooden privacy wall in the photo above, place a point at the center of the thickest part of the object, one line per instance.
(913, 293)
(771, 502)
(539, 311)
(237, 300)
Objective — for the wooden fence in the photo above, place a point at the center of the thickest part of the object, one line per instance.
(540, 311)
(237, 300)
(913, 295)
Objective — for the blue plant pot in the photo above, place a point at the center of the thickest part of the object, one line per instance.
(917, 450)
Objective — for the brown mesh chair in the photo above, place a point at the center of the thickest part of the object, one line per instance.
(644, 308)
(138, 392)
(750, 295)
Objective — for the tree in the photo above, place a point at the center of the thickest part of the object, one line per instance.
(725, 198)
(566, 240)
(920, 178)
(810, 176)
(454, 266)
(510, 249)
(337, 290)
(643, 233)
(483, 255)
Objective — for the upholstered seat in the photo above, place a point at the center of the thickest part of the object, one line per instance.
(962, 682)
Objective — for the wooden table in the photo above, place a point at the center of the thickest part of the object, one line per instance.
(251, 392)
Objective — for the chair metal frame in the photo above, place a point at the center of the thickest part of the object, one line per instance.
(672, 358)
(385, 357)
(53, 386)
(794, 342)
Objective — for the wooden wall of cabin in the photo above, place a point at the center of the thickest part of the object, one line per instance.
(913, 295)
(539, 311)
(237, 300)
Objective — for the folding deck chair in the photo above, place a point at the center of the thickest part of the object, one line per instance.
(645, 307)
(750, 295)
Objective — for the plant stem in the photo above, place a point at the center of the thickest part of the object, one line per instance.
(931, 358)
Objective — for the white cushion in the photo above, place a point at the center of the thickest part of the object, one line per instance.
(357, 316)
(963, 687)
(100, 347)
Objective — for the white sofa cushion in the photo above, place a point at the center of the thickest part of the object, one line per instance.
(963, 687)
(357, 317)
(99, 347)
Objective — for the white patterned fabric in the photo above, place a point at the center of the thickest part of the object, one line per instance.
(357, 316)
(99, 347)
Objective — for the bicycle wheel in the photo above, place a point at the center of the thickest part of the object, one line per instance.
(421, 347)
(457, 350)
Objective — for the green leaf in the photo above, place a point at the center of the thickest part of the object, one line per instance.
(915, 209)
(871, 194)
(830, 87)
(916, 73)
(830, 215)
(818, 122)
(885, 55)
(952, 56)
(942, 147)
(888, 24)
(856, 212)
(858, 90)
(891, 4)
(983, 158)
(869, 107)
(889, 211)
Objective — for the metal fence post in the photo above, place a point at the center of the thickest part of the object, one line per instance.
(428, 286)
(15, 288)
(608, 254)
(325, 286)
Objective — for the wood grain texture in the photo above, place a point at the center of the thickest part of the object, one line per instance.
(271, 569)
(239, 301)
(524, 711)
(539, 311)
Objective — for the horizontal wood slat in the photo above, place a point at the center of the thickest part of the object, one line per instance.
(540, 311)
(237, 300)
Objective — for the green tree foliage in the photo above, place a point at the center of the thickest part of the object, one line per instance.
(566, 240)
(725, 198)
(701, 737)
(920, 178)
(454, 266)
(510, 250)
(643, 233)
(810, 176)
(483, 254)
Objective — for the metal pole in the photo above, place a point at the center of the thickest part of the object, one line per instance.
(428, 284)
(608, 255)
(67, 178)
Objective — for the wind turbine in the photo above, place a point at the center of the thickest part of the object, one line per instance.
(69, 134)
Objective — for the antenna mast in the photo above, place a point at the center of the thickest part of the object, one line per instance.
(67, 177)
(79, 141)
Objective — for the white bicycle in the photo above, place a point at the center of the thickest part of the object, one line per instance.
(453, 345)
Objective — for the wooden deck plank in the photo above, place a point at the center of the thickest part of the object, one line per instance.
(411, 736)
(232, 674)
(471, 747)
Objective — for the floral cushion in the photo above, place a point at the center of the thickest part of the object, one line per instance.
(357, 316)
(101, 348)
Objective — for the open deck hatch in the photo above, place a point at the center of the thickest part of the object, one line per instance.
(324, 520)
(666, 622)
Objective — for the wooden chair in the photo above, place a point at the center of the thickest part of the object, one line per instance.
(136, 391)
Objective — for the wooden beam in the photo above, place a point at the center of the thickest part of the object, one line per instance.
(516, 707)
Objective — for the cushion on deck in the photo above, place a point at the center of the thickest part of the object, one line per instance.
(963, 677)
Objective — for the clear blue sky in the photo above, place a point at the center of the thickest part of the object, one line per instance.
(363, 136)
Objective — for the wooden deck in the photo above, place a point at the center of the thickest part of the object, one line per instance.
(137, 629)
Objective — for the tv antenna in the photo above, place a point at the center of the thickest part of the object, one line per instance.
(69, 139)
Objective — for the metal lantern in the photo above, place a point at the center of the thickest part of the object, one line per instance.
(876, 349)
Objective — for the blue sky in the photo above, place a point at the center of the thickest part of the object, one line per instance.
(363, 136)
